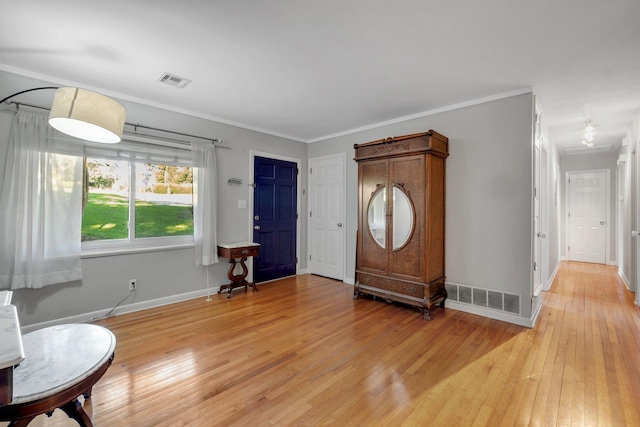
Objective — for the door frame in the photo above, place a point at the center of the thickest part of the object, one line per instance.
(607, 229)
(252, 155)
(545, 214)
(343, 158)
(634, 189)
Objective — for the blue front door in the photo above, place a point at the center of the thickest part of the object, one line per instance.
(274, 223)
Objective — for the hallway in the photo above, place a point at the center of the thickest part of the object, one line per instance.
(588, 340)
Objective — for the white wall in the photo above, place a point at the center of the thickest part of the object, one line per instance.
(627, 200)
(552, 195)
(488, 191)
(555, 219)
(164, 274)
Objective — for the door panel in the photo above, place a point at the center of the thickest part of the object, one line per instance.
(587, 217)
(408, 174)
(373, 179)
(275, 219)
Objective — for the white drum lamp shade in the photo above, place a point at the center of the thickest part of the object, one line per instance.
(87, 115)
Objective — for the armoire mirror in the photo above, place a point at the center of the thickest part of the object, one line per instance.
(403, 217)
(377, 217)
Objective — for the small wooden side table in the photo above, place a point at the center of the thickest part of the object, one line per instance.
(234, 251)
(62, 362)
(11, 350)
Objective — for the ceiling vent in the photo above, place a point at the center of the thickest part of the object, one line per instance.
(589, 150)
(173, 80)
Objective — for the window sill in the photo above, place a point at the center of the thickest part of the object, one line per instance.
(105, 252)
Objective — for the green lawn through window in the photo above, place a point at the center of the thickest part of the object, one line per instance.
(106, 217)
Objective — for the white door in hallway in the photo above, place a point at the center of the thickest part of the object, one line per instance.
(587, 216)
(327, 216)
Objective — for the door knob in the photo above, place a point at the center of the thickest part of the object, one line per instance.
(257, 217)
(601, 222)
(635, 233)
(256, 227)
(339, 224)
(541, 235)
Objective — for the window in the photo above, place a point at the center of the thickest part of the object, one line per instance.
(137, 196)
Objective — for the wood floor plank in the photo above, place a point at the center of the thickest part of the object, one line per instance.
(302, 352)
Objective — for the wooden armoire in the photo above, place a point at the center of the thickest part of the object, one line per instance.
(401, 218)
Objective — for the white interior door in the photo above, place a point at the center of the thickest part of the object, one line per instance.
(636, 186)
(326, 216)
(544, 217)
(587, 217)
(537, 247)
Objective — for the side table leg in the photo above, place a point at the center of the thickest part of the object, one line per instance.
(74, 410)
(87, 394)
(21, 422)
(236, 280)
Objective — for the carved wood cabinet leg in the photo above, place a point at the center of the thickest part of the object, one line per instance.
(74, 411)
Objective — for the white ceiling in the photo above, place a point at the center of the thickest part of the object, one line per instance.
(311, 69)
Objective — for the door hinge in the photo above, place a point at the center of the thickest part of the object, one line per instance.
(569, 248)
(296, 260)
(309, 257)
(310, 214)
(296, 215)
(535, 192)
(535, 266)
(297, 171)
(310, 170)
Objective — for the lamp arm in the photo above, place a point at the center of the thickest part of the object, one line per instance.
(25, 91)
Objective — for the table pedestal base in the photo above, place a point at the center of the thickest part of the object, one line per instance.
(237, 280)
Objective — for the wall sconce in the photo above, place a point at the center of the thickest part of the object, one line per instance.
(84, 114)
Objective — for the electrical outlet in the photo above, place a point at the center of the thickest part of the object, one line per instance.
(132, 284)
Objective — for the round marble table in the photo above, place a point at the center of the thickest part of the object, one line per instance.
(61, 363)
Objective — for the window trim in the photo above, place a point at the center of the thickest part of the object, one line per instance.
(94, 249)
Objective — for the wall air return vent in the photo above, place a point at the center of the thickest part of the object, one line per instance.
(173, 80)
(486, 298)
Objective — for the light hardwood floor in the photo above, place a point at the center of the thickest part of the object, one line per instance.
(302, 352)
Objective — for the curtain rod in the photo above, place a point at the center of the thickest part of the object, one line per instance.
(214, 141)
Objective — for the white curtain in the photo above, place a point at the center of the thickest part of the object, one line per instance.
(204, 203)
(40, 206)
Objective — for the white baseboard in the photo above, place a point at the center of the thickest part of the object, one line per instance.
(624, 278)
(349, 280)
(491, 314)
(129, 308)
(553, 277)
